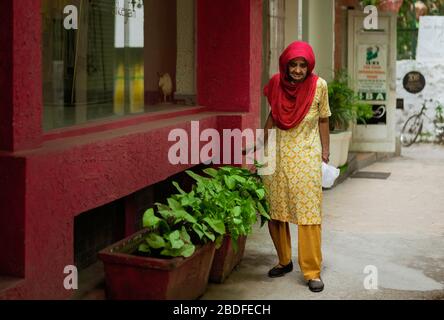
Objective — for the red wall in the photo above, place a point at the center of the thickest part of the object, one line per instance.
(20, 77)
(229, 56)
(43, 188)
(20, 121)
(223, 79)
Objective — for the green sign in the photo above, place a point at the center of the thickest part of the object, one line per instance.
(372, 96)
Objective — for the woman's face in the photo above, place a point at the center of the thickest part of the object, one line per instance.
(297, 69)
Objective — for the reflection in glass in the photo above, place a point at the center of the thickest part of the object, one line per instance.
(126, 57)
(96, 71)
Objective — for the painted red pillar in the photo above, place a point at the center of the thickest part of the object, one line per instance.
(229, 55)
(229, 51)
(21, 76)
(20, 121)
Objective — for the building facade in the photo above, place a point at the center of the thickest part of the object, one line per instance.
(83, 125)
(91, 90)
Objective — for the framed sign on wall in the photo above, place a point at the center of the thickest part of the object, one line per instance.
(372, 72)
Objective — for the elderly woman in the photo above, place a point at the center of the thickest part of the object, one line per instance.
(299, 114)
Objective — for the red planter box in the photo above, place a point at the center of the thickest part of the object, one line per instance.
(130, 277)
(226, 259)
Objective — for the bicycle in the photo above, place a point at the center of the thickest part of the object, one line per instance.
(413, 126)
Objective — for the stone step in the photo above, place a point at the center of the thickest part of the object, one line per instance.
(364, 159)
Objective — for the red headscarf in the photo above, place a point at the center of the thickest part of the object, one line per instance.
(290, 102)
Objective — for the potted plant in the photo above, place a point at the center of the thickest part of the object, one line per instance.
(171, 258)
(346, 111)
(239, 195)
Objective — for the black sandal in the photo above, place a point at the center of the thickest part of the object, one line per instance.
(316, 285)
(280, 271)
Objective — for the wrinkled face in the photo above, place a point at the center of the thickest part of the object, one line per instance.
(297, 69)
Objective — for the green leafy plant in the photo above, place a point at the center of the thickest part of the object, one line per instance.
(174, 232)
(237, 195)
(177, 227)
(344, 104)
(225, 202)
(343, 168)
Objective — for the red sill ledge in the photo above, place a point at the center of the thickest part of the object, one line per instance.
(109, 124)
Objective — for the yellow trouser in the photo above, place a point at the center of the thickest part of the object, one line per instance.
(309, 246)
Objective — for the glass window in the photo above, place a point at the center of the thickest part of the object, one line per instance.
(110, 58)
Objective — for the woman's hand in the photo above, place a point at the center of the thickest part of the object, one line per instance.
(325, 156)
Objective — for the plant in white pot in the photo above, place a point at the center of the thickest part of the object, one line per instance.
(346, 110)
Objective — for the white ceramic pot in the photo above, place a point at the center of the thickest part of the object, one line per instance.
(339, 146)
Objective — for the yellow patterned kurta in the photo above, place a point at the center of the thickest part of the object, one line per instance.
(294, 190)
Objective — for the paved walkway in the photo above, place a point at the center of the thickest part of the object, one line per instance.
(395, 225)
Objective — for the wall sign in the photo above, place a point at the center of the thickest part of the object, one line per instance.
(372, 72)
(414, 82)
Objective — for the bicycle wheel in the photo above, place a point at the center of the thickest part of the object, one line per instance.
(411, 130)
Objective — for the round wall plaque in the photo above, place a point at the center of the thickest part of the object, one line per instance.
(414, 82)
